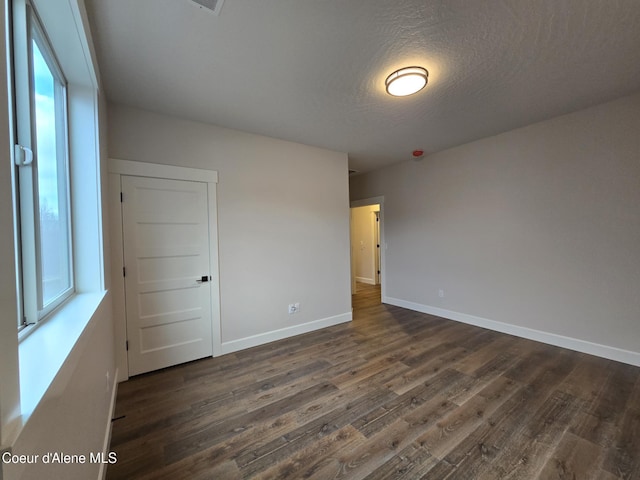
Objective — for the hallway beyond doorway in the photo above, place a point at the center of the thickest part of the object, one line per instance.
(366, 296)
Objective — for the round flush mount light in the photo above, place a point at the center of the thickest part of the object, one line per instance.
(406, 81)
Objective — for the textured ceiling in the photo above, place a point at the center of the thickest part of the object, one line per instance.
(313, 71)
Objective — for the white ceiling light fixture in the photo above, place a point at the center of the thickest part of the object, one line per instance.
(406, 81)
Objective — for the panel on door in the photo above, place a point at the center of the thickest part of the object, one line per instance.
(166, 257)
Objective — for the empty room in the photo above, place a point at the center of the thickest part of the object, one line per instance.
(326, 239)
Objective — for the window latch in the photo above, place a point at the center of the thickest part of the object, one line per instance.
(23, 155)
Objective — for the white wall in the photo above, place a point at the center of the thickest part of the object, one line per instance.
(283, 220)
(363, 243)
(538, 228)
(9, 386)
(75, 413)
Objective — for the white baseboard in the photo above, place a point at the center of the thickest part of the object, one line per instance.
(605, 351)
(368, 281)
(262, 338)
(102, 473)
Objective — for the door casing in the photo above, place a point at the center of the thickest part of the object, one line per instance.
(118, 168)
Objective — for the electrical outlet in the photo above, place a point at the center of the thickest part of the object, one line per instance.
(441, 293)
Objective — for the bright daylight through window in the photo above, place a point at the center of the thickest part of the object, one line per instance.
(55, 265)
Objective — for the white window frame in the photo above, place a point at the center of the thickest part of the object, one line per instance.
(28, 28)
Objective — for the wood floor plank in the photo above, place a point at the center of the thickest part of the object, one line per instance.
(461, 422)
(574, 458)
(261, 395)
(600, 420)
(402, 405)
(392, 394)
(135, 462)
(365, 456)
(485, 374)
(434, 361)
(198, 468)
(406, 464)
(221, 431)
(440, 470)
(306, 461)
(388, 366)
(258, 459)
(475, 452)
(623, 459)
(271, 429)
(482, 355)
(530, 447)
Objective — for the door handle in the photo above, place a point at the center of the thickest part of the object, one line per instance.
(204, 278)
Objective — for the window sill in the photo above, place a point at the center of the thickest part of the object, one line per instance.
(44, 350)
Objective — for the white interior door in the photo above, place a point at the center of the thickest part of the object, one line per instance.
(166, 258)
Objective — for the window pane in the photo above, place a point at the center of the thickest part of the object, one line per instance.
(54, 261)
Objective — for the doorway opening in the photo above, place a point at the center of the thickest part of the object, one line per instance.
(367, 248)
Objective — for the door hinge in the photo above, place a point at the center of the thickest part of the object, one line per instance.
(127, 345)
(124, 271)
(121, 197)
(378, 272)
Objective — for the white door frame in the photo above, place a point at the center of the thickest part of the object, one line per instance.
(383, 245)
(118, 168)
(377, 241)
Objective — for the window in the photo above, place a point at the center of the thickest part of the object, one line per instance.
(57, 206)
(54, 239)
(44, 190)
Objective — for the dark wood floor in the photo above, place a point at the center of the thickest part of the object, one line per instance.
(393, 394)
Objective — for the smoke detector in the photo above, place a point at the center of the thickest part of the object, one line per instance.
(417, 154)
(214, 5)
